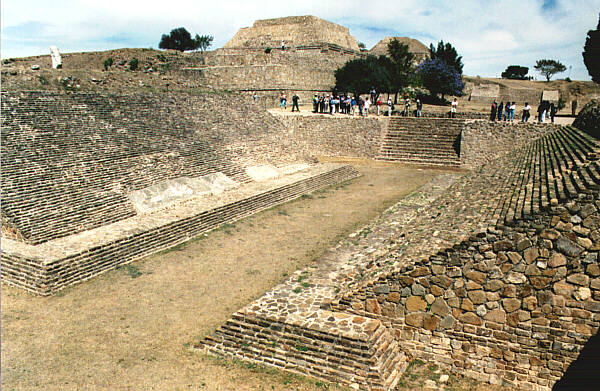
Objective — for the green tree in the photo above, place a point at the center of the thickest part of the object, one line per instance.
(516, 72)
(203, 42)
(448, 54)
(591, 53)
(362, 46)
(178, 39)
(358, 76)
(401, 66)
(548, 68)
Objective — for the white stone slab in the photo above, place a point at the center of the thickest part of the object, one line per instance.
(56, 58)
(166, 193)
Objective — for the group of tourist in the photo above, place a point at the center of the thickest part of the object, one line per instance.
(343, 104)
(506, 112)
(352, 105)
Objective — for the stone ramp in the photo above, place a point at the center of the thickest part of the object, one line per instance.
(291, 328)
(430, 141)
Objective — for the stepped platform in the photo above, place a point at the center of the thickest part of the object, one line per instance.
(93, 181)
(484, 225)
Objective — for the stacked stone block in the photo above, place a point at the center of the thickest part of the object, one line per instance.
(516, 302)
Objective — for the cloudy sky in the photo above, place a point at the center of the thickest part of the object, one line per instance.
(489, 34)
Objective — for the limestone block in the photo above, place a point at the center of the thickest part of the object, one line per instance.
(415, 303)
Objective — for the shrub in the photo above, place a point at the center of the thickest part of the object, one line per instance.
(268, 50)
(133, 64)
(108, 63)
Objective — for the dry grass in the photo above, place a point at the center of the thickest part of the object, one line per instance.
(130, 329)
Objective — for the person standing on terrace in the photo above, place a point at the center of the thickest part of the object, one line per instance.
(493, 111)
(295, 100)
(454, 108)
(526, 112)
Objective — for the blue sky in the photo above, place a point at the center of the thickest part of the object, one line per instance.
(490, 35)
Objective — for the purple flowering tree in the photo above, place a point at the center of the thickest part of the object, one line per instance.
(440, 78)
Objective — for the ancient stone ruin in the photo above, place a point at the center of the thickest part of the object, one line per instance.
(497, 276)
(91, 181)
(494, 274)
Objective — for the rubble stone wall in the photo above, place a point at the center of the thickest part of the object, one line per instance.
(512, 305)
(323, 135)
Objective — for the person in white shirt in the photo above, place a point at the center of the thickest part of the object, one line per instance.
(367, 105)
(526, 112)
(453, 109)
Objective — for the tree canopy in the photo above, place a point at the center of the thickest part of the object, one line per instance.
(448, 54)
(516, 72)
(549, 68)
(180, 39)
(360, 75)
(591, 53)
(440, 78)
(400, 65)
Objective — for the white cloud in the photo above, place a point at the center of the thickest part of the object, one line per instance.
(488, 34)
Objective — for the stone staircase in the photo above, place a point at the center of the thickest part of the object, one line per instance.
(428, 141)
(552, 169)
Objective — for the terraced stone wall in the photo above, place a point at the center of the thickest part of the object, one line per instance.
(513, 305)
(305, 72)
(294, 30)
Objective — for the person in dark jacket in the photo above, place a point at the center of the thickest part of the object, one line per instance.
(493, 111)
(500, 108)
(552, 112)
(295, 100)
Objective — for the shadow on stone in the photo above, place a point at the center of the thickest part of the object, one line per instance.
(583, 373)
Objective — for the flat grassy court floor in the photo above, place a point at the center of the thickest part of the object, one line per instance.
(131, 328)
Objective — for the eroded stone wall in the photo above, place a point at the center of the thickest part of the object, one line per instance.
(326, 136)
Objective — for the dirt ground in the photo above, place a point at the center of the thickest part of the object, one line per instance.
(131, 328)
